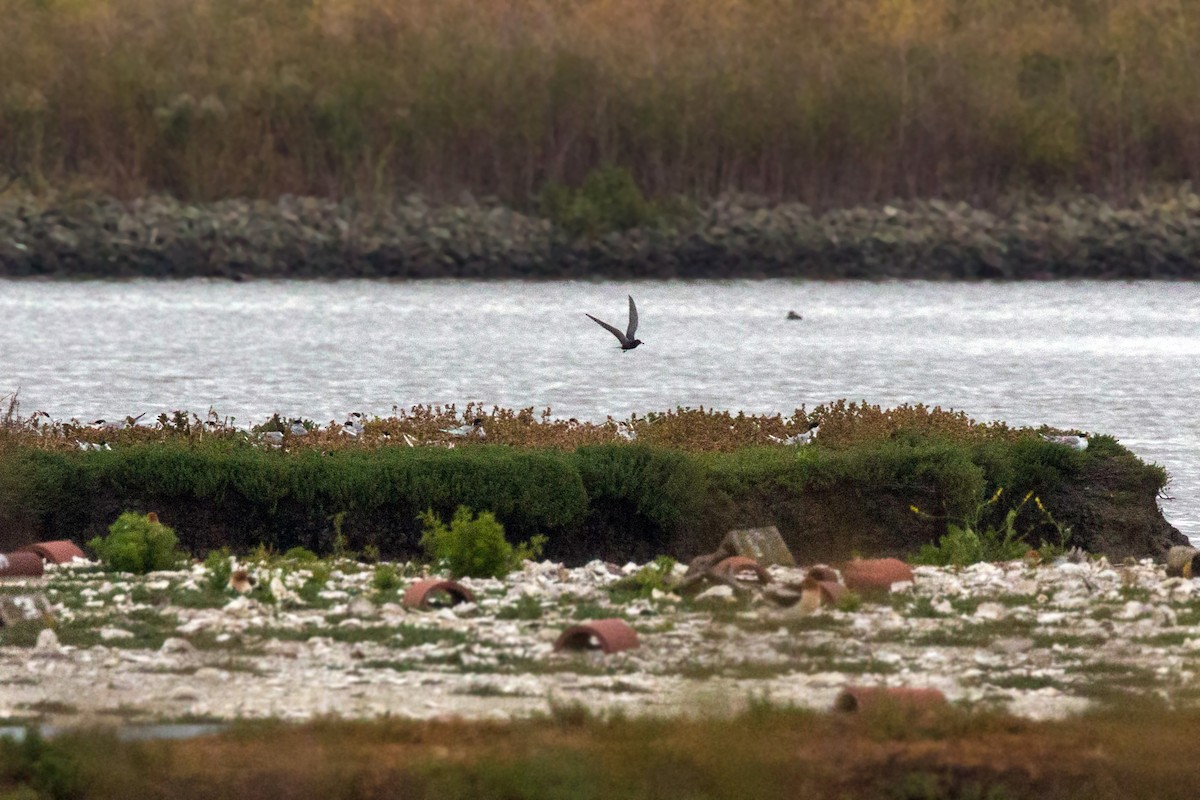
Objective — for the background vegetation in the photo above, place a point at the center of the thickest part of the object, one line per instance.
(689, 476)
(826, 101)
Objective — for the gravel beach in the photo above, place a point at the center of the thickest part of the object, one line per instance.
(1040, 641)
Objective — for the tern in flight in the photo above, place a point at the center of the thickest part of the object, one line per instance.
(626, 338)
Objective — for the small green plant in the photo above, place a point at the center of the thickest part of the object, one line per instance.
(386, 578)
(644, 582)
(341, 545)
(219, 569)
(473, 546)
(311, 589)
(964, 543)
(262, 553)
(527, 607)
(301, 554)
(138, 543)
(849, 602)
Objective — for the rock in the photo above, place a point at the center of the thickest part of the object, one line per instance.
(185, 693)
(194, 625)
(362, 607)
(989, 611)
(47, 641)
(176, 645)
(1183, 562)
(724, 593)
(764, 545)
(238, 605)
(109, 634)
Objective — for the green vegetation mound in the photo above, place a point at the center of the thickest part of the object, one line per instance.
(688, 478)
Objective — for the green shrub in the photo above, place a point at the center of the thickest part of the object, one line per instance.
(300, 554)
(473, 546)
(136, 543)
(609, 200)
(385, 578)
(219, 568)
(964, 542)
(663, 486)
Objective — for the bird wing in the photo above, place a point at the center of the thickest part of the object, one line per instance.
(632, 321)
(609, 328)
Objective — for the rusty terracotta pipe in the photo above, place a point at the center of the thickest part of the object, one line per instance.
(866, 698)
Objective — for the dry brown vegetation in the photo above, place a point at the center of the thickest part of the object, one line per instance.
(827, 101)
(842, 424)
(1128, 754)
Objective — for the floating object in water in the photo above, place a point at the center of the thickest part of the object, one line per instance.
(1076, 442)
(800, 438)
(626, 338)
(794, 315)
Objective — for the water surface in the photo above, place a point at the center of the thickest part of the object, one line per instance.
(1116, 358)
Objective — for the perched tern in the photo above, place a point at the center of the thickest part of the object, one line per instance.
(1076, 442)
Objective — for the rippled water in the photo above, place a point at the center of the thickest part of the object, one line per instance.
(1117, 358)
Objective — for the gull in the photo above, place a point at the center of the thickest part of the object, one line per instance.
(273, 438)
(1079, 442)
(799, 438)
(626, 338)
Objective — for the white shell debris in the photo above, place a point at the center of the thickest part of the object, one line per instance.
(1033, 640)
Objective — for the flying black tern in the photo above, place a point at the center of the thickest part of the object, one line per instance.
(626, 338)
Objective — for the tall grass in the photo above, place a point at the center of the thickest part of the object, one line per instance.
(827, 101)
(1129, 753)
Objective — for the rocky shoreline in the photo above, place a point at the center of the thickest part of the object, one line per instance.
(1156, 236)
(1042, 641)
